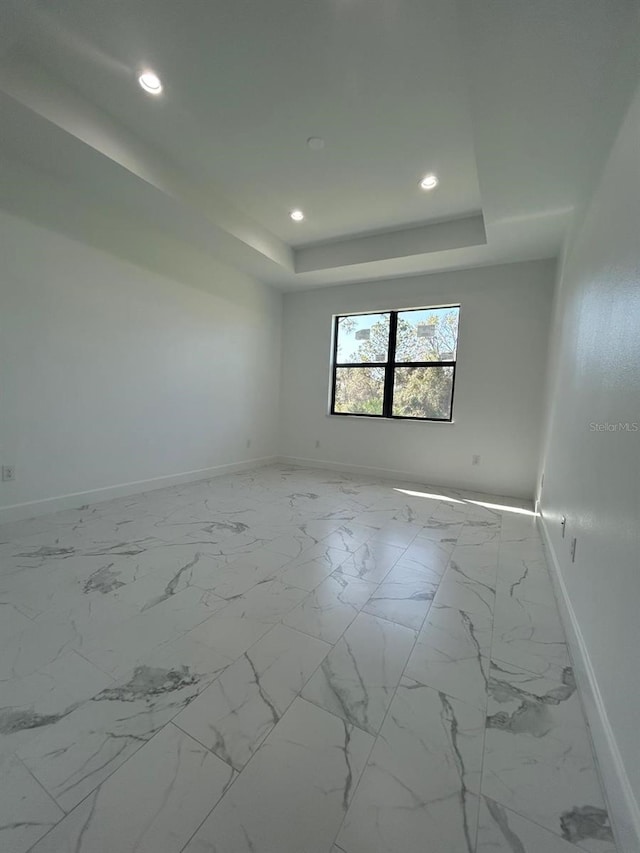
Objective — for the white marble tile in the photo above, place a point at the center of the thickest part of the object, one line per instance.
(266, 602)
(526, 580)
(538, 760)
(73, 753)
(118, 649)
(468, 595)
(230, 634)
(475, 562)
(181, 781)
(517, 527)
(413, 510)
(450, 512)
(421, 780)
(445, 533)
(451, 655)
(479, 532)
(462, 678)
(528, 635)
(39, 701)
(294, 793)
(349, 536)
(234, 715)
(404, 596)
(240, 575)
(428, 554)
(358, 677)
(374, 516)
(503, 831)
(27, 812)
(181, 591)
(372, 561)
(297, 541)
(398, 533)
(329, 610)
(34, 646)
(313, 566)
(454, 634)
(530, 549)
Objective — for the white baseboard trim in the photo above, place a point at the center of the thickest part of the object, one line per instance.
(624, 810)
(30, 509)
(391, 474)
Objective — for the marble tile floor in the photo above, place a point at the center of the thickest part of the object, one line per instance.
(288, 660)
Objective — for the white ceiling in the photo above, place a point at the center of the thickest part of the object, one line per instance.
(511, 102)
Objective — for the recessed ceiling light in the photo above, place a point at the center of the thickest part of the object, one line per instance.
(150, 82)
(316, 143)
(297, 215)
(429, 182)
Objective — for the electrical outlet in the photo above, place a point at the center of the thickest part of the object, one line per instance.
(574, 542)
(563, 525)
(475, 459)
(8, 473)
(317, 443)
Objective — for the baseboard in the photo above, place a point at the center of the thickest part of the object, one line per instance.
(390, 474)
(30, 509)
(624, 809)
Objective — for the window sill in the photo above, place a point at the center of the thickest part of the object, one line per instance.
(391, 420)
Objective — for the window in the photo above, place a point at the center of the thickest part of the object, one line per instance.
(396, 364)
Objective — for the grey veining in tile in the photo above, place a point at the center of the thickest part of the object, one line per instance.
(428, 554)
(445, 533)
(39, 701)
(358, 677)
(472, 596)
(181, 781)
(404, 596)
(397, 533)
(294, 793)
(372, 561)
(529, 635)
(454, 634)
(27, 812)
(331, 607)
(422, 778)
(463, 678)
(503, 831)
(72, 754)
(234, 715)
(315, 564)
(475, 563)
(155, 650)
(538, 759)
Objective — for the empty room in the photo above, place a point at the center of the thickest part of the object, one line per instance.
(320, 426)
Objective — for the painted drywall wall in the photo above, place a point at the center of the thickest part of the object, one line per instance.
(503, 335)
(112, 374)
(591, 458)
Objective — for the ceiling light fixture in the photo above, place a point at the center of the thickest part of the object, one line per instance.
(297, 215)
(150, 82)
(429, 182)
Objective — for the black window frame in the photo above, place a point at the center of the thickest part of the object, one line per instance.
(389, 368)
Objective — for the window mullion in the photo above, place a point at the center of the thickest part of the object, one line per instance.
(387, 405)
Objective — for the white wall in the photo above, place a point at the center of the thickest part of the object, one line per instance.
(112, 374)
(593, 477)
(503, 336)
